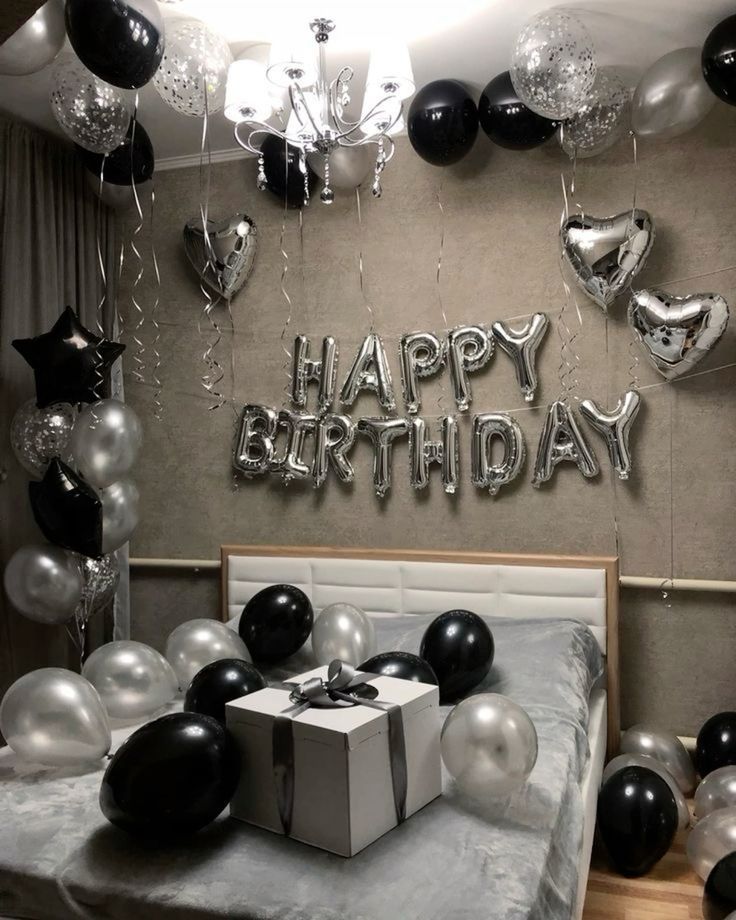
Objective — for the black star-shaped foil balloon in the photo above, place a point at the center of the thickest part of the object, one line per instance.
(70, 363)
(67, 510)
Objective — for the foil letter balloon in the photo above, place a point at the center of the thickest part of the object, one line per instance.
(323, 370)
(370, 371)
(254, 446)
(223, 256)
(423, 453)
(382, 432)
(615, 428)
(562, 439)
(469, 349)
(606, 254)
(484, 473)
(421, 355)
(521, 346)
(677, 332)
(335, 435)
(292, 464)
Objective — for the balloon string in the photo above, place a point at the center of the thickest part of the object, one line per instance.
(235, 485)
(665, 593)
(569, 358)
(136, 334)
(614, 477)
(118, 313)
(442, 393)
(632, 349)
(99, 384)
(286, 367)
(366, 301)
(158, 406)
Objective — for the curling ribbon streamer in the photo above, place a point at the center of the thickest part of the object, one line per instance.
(366, 301)
(139, 352)
(158, 406)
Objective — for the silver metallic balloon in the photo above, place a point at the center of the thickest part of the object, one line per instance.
(101, 577)
(254, 445)
(382, 432)
(716, 791)
(323, 370)
(664, 747)
(196, 643)
(39, 435)
(119, 513)
(607, 254)
(711, 839)
(484, 472)
(349, 167)
(521, 346)
(421, 354)
(291, 464)
(92, 113)
(192, 75)
(333, 439)
(424, 452)
(370, 371)
(224, 256)
(469, 348)
(44, 582)
(55, 717)
(649, 763)
(489, 745)
(562, 439)
(133, 679)
(553, 64)
(672, 96)
(105, 441)
(345, 632)
(677, 332)
(601, 120)
(615, 428)
(36, 43)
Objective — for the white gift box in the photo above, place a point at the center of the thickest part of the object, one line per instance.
(343, 786)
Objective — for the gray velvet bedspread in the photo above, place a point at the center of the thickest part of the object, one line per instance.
(454, 860)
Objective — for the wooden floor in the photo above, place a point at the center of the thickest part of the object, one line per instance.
(671, 891)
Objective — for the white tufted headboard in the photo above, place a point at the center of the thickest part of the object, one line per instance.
(386, 583)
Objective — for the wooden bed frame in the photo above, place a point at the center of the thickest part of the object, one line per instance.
(610, 564)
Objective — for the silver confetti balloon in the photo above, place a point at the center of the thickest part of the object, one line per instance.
(370, 371)
(424, 452)
(562, 440)
(469, 348)
(521, 346)
(421, 354)
(484, 472)
(664, 747)
(39, 435)
(132, 679)
(716, 791)
(119, 513)
(192, 75)
(224, 256)
(711, 839)
(382, 433)
(254, 444)
(292, 464)
(196, 643)
(601, 120)
(649, 763)
(615, 428)
(334, 437)
(92, 113)
(36, 43)
(489, 745)
(677, 332)
(44, 582)
(345, 632)
(105, 441)
(553, 64)
(322, 370)
(53, 716)
(672, 96)
(101, 577)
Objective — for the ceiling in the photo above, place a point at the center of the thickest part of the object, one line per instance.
(469, 40)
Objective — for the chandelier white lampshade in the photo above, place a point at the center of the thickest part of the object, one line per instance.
(247, 95)
(292, 61)
(389, 71)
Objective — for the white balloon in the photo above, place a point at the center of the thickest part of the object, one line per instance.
(196, 643)
(711, 839)
(133, 679)
(119, 514)
(44, 582)
(649, 763)
(105, 441)
(192, 75)
(345, 632)
(716, 791)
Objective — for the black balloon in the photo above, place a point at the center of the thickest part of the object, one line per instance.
(219, 683)
(719, 60)
(637, 819)
(69, 362)
(403, 665)
(283, 173)
(132, 161)
(276, 622)
(719, 897)
(459, 648)
(507, 121)
(67, 510)
(172, 776)
(443, 122)
(716, 743)
(122, 41)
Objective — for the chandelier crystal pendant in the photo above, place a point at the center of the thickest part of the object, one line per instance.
(317, 123)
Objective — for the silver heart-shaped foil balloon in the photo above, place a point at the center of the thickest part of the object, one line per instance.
(230, 255)
(606, 254)
(677, 331)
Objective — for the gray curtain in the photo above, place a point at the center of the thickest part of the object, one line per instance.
(48, 259)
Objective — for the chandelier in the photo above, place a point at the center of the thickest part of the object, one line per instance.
(317, 123)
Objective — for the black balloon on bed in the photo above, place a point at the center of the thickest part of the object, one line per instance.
(220, 682)
(459, 647)
(402, 665)
(276, 622)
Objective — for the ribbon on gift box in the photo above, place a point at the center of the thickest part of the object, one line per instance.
(344, 687)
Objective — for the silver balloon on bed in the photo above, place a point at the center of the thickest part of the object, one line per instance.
(469, 348)
(196, 643)
(615, 428)
(521, 346)
(345, 632)
(421, 354)
(484, 472)
(133, 679)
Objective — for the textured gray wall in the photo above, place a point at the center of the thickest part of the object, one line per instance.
(501, 217)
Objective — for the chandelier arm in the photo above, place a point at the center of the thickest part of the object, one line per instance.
(256, 127)
(295, 87)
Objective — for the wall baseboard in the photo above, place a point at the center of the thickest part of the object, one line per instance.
(193, 159)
